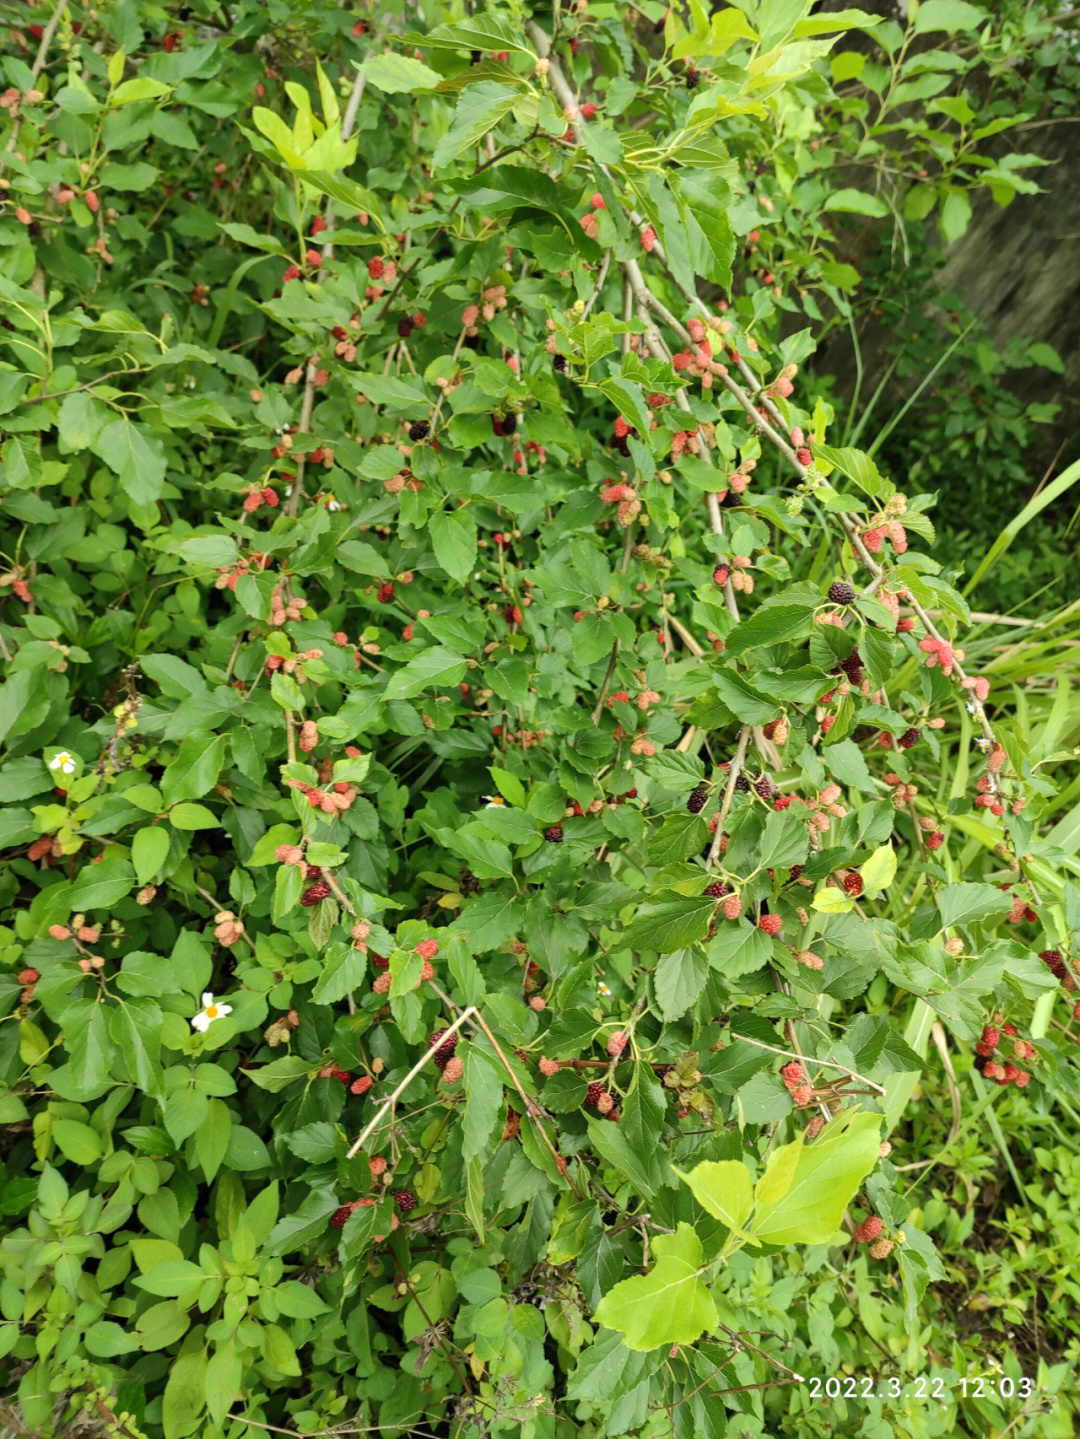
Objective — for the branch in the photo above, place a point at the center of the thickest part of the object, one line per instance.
(369, 1128)
(810, 1059)
(729, 794)
(292, 505)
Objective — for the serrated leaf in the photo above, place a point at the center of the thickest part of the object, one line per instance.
(479, 109)
(678, 980)
(670, 923)
(453, 537)
(435, 668)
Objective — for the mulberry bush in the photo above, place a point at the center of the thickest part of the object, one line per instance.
(493, 796)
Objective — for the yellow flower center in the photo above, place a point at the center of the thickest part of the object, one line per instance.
(211, 1011)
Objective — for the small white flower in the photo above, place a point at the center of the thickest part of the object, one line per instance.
(209, 1012)
(493, 801)
(603, 991)
(333, 506)
(63, 762)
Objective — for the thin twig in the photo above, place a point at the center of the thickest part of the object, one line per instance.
(532, 1109)
(429, 1054)
(729, 794)
(810, 1059)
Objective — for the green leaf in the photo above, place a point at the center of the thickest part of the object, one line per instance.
(967, 903)
(77, 1142)
(397, 74)
(831, 900)
(479, 109)
(668, 1306)
(136, 457)
(951, 15)
(738, 948)
(723, 1189)
(482, 1083)
(748, 704)
(212, 1138)
(954, 215)
(453, 537)
(307, 1222)
(149, 849)
(670, 923)
(101, 886)
(344, 968)
(857, 466)
(845, 760)
(839, 20)
(193, 816)
(183, 1401)
(769, 625)
(195, 769)
(435, 668)
(856, 202)
(825, 1179)
(222, 1384)
(678, 980)
(879, 871)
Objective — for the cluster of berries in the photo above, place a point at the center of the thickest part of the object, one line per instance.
(287, 611)
(492, 300)
(229, 575)
(1021, 908)
(332, 801)
(281, 1029)
(600, 1098)
(626, 497)
(256, 497)
(227, 928)
(1006, 1073)
(797, 1084)
(869, 1232)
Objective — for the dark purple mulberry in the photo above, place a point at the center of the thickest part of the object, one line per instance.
(698, 796)
(443, 1047)
(1054, 962)
(553, 835)
(841, 593)
(419, 430)
(405, 1199)
(315, 893)
(909, 738)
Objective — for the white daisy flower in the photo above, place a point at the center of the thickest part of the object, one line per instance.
(333, 506)
(603, 991)
(493, 801)
(209, 1012)
(63, 762)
